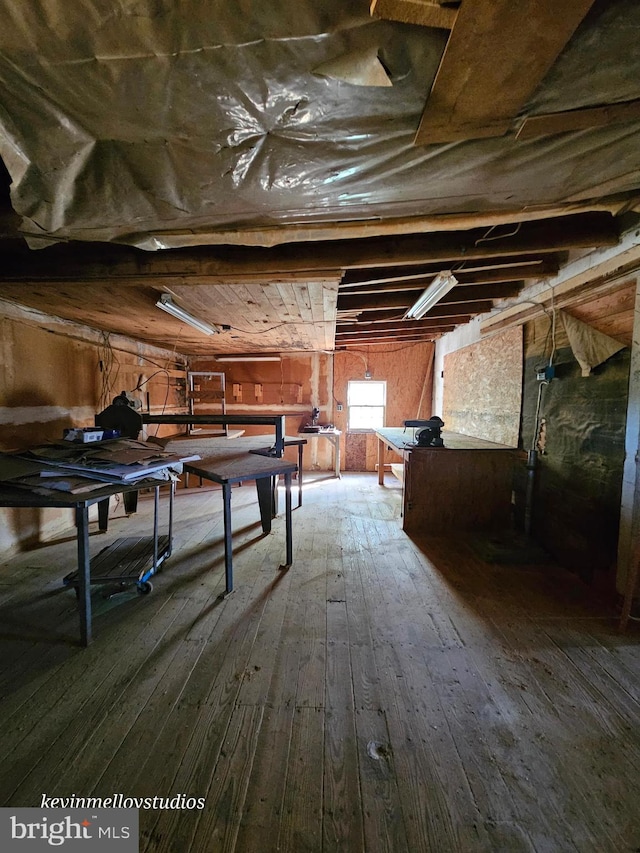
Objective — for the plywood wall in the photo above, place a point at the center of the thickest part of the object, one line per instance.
(483, 388)
(292, 387)
(58, 374)
(408, 372)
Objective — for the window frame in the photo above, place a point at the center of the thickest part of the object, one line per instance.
(366, 382)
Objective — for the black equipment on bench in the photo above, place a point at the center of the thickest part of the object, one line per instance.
(430, 434)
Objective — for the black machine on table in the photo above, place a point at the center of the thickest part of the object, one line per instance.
(429, 432)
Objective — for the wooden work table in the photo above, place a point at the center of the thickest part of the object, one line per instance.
(223, 447)
(333, 437)
(464, 485)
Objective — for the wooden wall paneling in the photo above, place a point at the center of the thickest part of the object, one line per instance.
(355, 458)
(56, 375)
(483, 388)
(292, 387)
(408, 371)
(611, 314)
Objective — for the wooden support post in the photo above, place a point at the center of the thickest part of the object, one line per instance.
(629, 536)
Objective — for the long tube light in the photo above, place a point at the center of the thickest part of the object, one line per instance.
(165, 302)
(440, 286)
(226, 358)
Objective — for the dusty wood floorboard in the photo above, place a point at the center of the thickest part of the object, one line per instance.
(383, 821)
(343, 828)
(194, 732)
(300, 826)
(83, 693)
(383, 694)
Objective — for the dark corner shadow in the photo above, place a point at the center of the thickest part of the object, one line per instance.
(26, 621)
(33, 649)
(502, 575)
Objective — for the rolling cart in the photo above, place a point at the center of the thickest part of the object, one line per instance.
(133, 560)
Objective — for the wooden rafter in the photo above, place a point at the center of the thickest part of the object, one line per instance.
(393, 314)
(387, 339)
(492, 290)
(583, 119)
(316, 260)
(402, 300)
(359, 280)
(425, 13)
(405, 326)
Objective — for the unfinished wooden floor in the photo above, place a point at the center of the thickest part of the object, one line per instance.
(382, 695)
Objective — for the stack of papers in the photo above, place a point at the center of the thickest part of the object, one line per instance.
(77, 468)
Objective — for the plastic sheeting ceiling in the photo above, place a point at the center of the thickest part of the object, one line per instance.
(138, 120)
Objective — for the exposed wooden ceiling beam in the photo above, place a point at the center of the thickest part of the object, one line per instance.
(404, 326)
(492, 290)
(404, 300)
(496, 56)
(610, 201)
(486, 292)
(571, 120)
(76, 263)
(421, 12)
(470, 274)
(391, 314)
(426, 336)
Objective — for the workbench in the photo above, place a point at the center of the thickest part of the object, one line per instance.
(333, 437)
(216, 447)
(276, 421)
(235, 465)
(467, 484)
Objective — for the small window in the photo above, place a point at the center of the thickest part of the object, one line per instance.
(366, 402)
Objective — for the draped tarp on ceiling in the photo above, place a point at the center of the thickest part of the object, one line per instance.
(146, 121)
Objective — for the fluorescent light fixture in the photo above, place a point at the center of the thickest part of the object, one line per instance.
(165, 302)
(441, 285)
(247, 358)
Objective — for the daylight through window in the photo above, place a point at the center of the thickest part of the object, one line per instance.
(366, 404)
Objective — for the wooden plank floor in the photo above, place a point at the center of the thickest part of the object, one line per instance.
(381, 695)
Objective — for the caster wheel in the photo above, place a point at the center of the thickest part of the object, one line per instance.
(145, 588)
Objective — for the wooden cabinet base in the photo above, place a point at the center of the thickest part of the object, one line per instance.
(448, 489)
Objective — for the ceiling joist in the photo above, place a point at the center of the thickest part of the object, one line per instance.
(400, 300)
(390, 339)
(545, 236)
(404, 326)
(424, 13)
(572, 120)
(499, 290)
(390, 315)
(358, 282)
